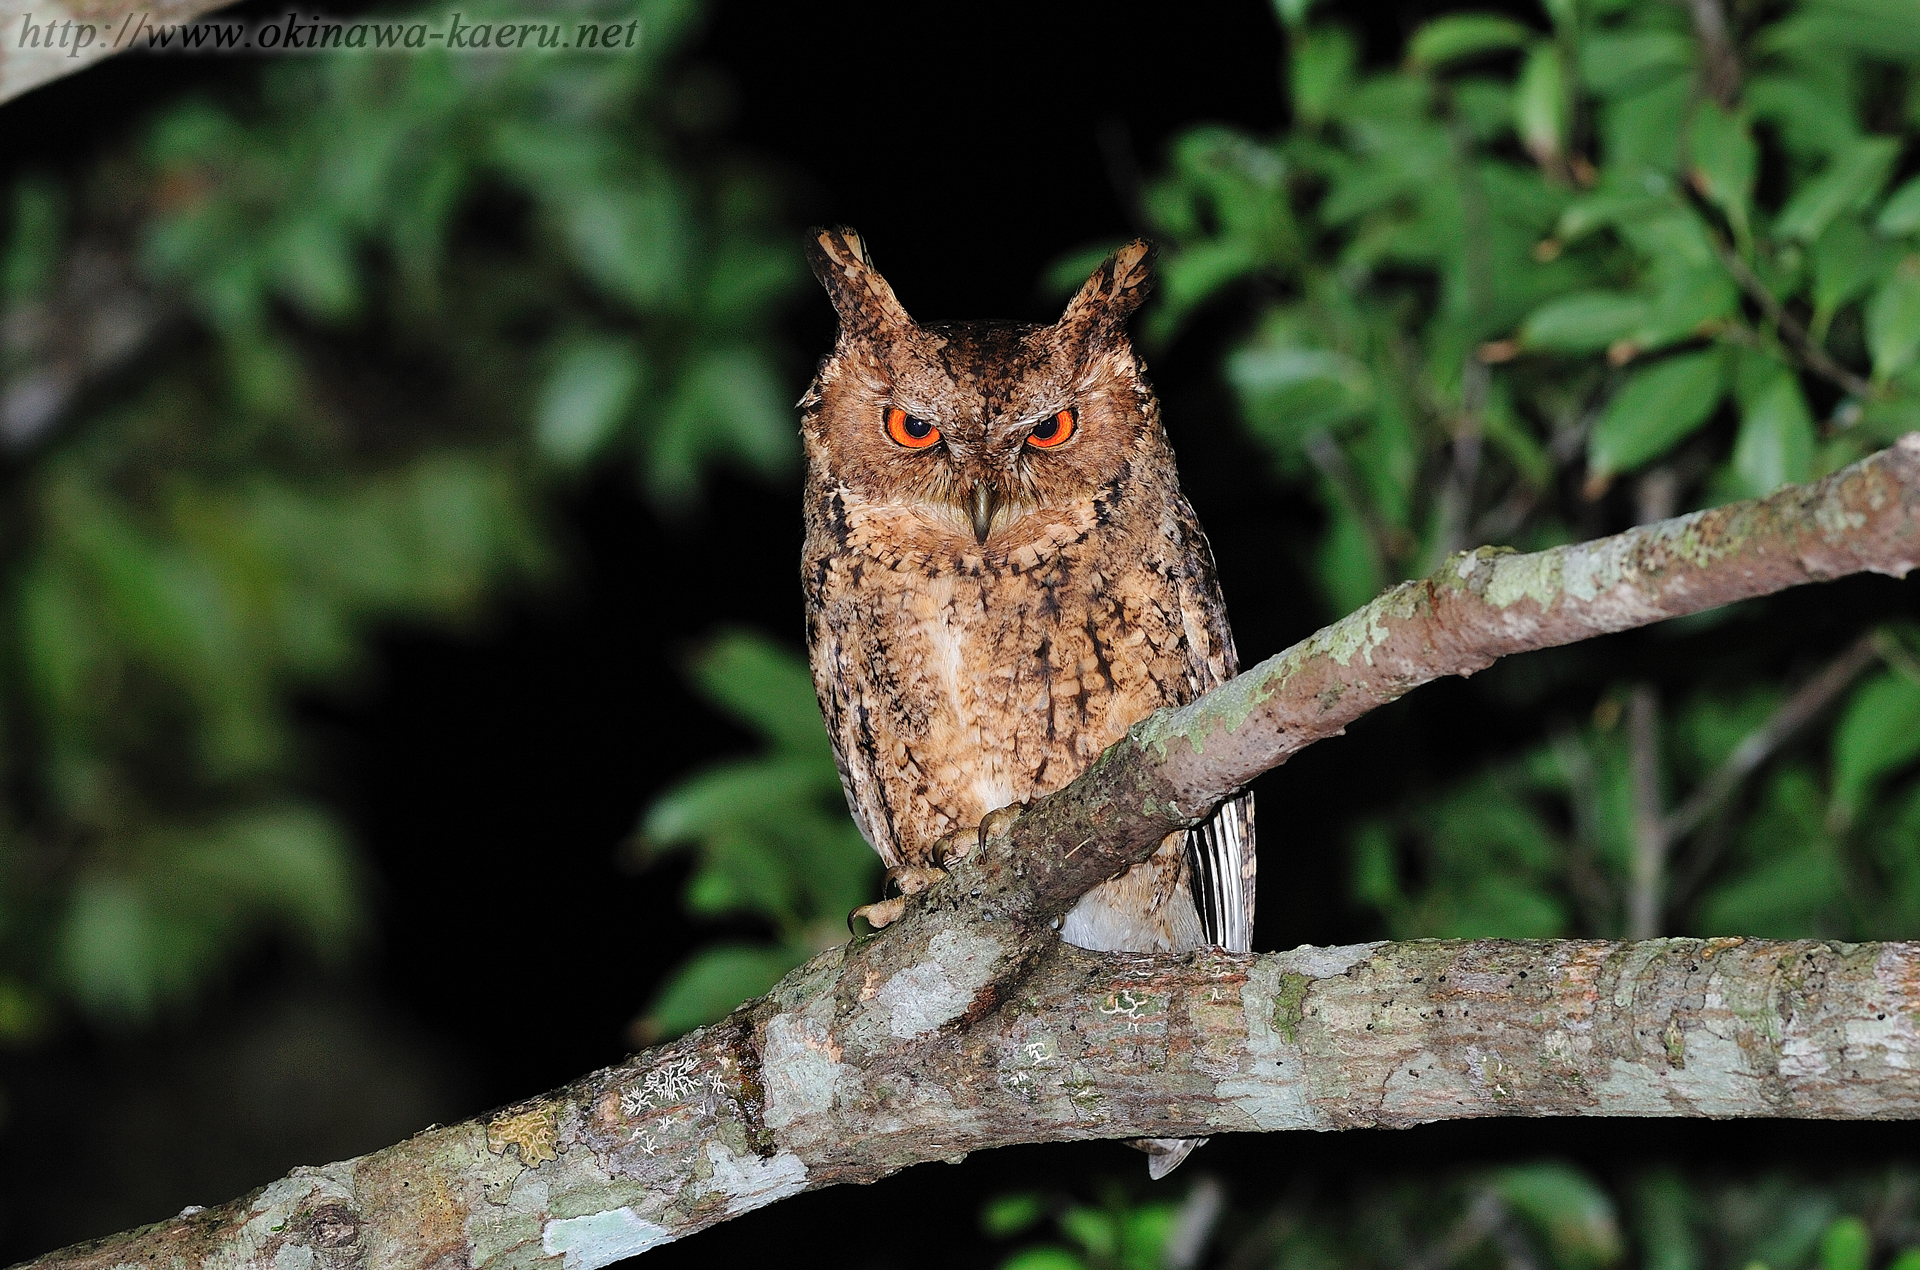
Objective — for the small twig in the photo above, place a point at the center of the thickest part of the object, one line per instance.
(1816, 358)
(1647, 885)
(1498, 523)
(1720, 68)
(1895, 654)
(1456, 497)
(1331, 461)
(1759, 745)
(1658, 494)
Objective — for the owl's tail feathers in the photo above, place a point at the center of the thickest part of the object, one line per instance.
(1164, 1155)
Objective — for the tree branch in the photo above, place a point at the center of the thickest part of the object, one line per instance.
(967, 1025)
(41, 41)
(807, 1089)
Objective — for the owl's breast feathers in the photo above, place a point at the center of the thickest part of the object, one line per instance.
(959, 679)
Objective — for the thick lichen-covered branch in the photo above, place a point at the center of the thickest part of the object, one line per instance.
(968, 1025)
(848, 1078)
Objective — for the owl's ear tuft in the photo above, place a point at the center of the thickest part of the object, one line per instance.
(1098, 314)
(861, 297)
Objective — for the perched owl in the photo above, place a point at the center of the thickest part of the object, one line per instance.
(1002, 576)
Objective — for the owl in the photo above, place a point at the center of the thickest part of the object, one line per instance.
(1002, 576)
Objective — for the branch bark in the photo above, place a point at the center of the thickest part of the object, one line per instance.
(41, 40)
(967, 1025)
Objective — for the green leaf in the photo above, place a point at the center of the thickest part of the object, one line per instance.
(1293, 12)
(1044, 1258)
(1584, 322)
(1893, 320)
(1659, 407)
(1323, 61)
(1613, 64)
(1908, 1260)
(1846, 1245)
(1093, 1229)
(1878, 733)
(1901, 215)
(34, 239)
(1144, 1230)
(1876, 28)
(1848, 184)
(1608, 207)
(635, 241)
(1776, 439)
(1665, 1234)
(730, 403)
(111, 950)
(766, 687)
(713, 981)
(1814, 115)
(1847, 261)
(1541, 104)
(1642, 130)
(586, 398)
(1007, 1215)
(314, 262)
(1570, 1209)
(1460, 35)
(1725, 159)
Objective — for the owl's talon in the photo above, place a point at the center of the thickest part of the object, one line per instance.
(881, 915)
(996, 823)
(951, 848)
(911, 879)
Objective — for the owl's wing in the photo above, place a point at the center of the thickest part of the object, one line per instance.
(841, 682)
(1221, 864)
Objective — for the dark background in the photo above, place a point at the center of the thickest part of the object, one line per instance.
(492, 779)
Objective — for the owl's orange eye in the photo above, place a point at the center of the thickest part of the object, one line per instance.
(904, 429)
(1053, 432)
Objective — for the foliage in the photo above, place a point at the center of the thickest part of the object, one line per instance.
(1530, 259)
(1545, 845)
(771, 836)
(1533, 263)
(309, 359)
(1121, 1233)
(1545, 1213)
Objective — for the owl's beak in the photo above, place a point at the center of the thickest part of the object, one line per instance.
(982, 502)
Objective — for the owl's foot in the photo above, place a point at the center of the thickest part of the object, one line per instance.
(909, 880)
(878, 916)
(961, 843)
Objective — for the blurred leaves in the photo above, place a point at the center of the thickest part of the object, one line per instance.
(1545, 1213)
(1515, 255)
(404, 302)
(770, 835)
(1544, 845)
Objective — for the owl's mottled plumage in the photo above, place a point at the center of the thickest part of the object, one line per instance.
(985, 616)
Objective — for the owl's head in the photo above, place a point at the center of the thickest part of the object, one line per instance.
(981, 427)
